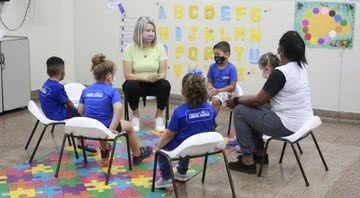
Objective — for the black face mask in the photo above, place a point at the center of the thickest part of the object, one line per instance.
(219, 59)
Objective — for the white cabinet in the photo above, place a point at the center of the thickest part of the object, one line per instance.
(15, 73)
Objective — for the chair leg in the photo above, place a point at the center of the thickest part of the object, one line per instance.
(128, 151)
(60, 155)
(299, 147)
(154, 173)
(167, 114)
(318, 148)
(173, 178)
(229, 175)
(69, 140)
(263, 158)
(230, 121)
(204, 169)
(52, 129)
(38, 143)
(300, 166)
(84, 152)
(282, 152)
(32, 134)
(111, 160)
(126, 109)
(74, 146)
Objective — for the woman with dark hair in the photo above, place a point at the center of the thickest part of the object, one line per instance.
(288, 91)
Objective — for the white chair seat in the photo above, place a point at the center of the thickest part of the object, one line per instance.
(36, 111)
(88, 127)
(308, 126)
(198, 144)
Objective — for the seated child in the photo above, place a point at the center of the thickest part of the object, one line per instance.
(53, 99)
(267, 63)
(222, 75)
(183, 125)
(103, 102)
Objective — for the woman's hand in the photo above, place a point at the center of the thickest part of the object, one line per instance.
(229, 103)
(152, 78)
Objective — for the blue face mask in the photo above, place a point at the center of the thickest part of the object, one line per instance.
(219, 59)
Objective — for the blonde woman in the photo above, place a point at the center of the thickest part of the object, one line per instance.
(145, 68)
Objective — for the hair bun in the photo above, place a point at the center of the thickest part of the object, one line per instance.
(98, 58)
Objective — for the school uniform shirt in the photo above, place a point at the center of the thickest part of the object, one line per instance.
(187, 121)
(291, 95)
(222, 77)
(98, 100)
(52, 98)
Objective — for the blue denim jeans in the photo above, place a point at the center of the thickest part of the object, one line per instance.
(165, 166)
(252, 122)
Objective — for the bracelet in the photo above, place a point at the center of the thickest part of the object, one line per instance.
(236, 101)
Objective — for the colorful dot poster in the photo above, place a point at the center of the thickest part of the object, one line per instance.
(325, 24)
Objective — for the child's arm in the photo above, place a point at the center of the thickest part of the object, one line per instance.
(70, 105)
(116, 116)
(211, 88)
(168, 135)
(81, 109)
(229, 88)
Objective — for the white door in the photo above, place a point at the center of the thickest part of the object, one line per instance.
(16, 73)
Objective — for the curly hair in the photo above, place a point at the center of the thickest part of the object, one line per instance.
(101, 67)
(194, 89)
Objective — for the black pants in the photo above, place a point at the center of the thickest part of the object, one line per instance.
(135, 89)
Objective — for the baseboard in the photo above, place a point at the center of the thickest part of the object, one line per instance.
(327, 114)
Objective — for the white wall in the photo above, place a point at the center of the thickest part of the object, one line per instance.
(50, 29)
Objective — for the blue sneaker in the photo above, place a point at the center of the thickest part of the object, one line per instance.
(145, 152)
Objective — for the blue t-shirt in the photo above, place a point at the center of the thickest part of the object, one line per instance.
(52, 98)
(222, 77)
(187, 121)
(98, 100)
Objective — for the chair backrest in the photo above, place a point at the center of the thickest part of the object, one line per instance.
(199, 144)
(308, 126)
(88, 127)
(74, 90)
(238, 90)
(35, 110)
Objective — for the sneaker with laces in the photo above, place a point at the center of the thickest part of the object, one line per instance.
(135, 122)
(181, 177)
(145, 152)
(162, 183)
(159, 124)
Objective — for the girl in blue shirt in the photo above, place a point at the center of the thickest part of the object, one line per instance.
(102, 102)
(193, 117)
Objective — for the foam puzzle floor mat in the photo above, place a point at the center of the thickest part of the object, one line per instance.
(77, 180)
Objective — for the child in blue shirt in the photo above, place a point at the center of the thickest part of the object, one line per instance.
(222, 75)
(193, 117)
(101, 101)
(53, 99)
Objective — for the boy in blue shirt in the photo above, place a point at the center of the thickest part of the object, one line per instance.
(101, 101)
(53, 99)
(222, 75)
(193, 117)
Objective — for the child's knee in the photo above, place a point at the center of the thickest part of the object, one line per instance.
(126, 126)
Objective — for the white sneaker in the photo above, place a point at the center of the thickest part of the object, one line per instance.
(161, 183)
(181, 177)
(159, 124)
(135, 122)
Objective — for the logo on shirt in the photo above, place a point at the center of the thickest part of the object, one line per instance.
(226, 77)
(45, 91)
(94, 95)
(198, 115)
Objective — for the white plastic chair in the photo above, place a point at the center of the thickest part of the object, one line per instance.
(74, 90)
(238, 92)
(40, 116)
(199, 145)
(88, 128)
(303, 132)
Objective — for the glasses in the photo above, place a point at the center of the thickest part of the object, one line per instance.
(196, 72)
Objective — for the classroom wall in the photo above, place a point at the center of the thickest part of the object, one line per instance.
(333, 72)
(50, 29)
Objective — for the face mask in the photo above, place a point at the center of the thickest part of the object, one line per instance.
(266, 72)
(148, 37)
(219, 59)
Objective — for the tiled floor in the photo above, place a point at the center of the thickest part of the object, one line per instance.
(339, 141)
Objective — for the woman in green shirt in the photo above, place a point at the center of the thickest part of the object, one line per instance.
(145, 67)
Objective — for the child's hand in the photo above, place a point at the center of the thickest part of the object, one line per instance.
(213, 91)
